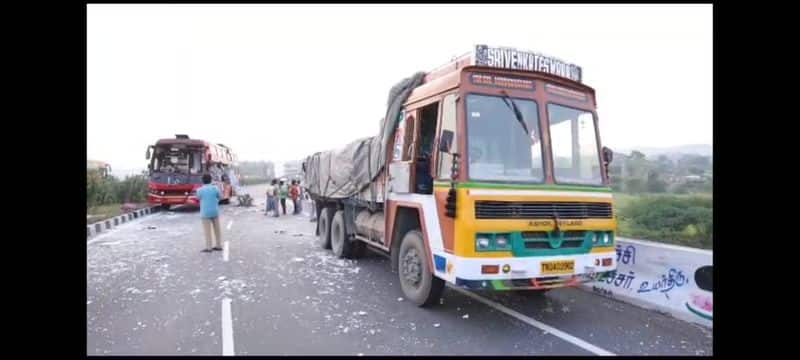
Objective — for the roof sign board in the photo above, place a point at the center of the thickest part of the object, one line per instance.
(510, 58)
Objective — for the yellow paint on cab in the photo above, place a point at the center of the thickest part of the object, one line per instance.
(466, 225)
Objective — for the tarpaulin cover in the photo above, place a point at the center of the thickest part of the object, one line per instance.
(347, 171)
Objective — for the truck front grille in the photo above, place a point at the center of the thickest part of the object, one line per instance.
(541, 210)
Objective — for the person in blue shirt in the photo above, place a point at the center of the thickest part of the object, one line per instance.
(209, 212)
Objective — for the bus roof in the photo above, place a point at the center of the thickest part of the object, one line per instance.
(219, 153)
(187, 142)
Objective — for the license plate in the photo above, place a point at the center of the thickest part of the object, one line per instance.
(558, 267)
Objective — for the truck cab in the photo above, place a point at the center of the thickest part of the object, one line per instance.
(497, 179)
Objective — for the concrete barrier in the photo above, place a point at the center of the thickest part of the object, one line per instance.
(667, 278)
(108, 224)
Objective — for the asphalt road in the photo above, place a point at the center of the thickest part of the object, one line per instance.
(151, 291)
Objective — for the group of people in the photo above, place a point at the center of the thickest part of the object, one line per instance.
(209, 196)
(279, 191)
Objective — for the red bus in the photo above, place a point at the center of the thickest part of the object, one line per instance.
(177, 166)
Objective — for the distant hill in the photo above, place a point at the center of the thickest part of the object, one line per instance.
(671, 152)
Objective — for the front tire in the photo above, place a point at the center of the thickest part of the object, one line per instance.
(416, 278)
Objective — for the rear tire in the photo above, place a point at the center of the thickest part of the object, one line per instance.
(324, 223)
(164, 207)
(416, 278)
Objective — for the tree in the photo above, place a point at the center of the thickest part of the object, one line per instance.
(655, 184)
(694, 170)
(635, 170)
(664, 165)
(687, 162)
(634, 185)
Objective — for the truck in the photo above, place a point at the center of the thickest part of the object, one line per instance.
(177, 165)
(488, 174)
(102, 168)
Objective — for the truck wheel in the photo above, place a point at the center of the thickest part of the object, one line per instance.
(416, 279)
(340, 245)
(324, 223)
(164, 207)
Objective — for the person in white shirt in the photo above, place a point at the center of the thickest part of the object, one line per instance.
(272, 198)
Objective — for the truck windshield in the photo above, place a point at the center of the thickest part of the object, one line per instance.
(576, 159)
(499, 148)
(177, 161)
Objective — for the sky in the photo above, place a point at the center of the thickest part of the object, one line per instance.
(280, 82)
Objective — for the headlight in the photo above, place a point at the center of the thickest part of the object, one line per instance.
(603, 238)
(482, 242)
(501, 242)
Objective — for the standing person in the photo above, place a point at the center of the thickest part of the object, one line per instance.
(283, 192)
(209, 212)
(294, 192)
(270, 198)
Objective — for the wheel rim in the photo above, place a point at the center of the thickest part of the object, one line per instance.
(411, 268)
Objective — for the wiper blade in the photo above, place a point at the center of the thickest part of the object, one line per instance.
(513, 106)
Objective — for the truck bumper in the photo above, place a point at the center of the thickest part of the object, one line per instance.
(172, 200)
(519, 273)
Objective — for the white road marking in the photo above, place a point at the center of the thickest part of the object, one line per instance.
(230, 223)
(227, 328)
(562, 335)
(225, 251)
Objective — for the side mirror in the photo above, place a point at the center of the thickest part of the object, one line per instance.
(147, 156)
(446, 141)
(608, 155)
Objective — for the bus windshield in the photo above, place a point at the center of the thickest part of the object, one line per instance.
(573, 137)
(178, 161)
(499, 148)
